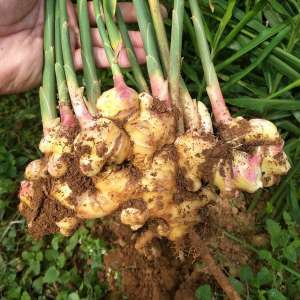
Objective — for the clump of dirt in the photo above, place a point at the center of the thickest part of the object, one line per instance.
(159, 106)
(221, 154)
(78, 182)
(44, 214)
(49, 213)
(230, 133)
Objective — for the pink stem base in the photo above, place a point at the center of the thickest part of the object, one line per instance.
(81, 112)
(67, 116)
(123, 89)
(220, 111)
(159, 88)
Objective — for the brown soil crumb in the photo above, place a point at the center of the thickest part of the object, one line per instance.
(42, 217)
(183, 184)
(230, 133)
(169, 152)
(69, 132)
(159, 106)
(49, 212)
(75, 179)
(220, 153)
(166, 270)
(82, 149)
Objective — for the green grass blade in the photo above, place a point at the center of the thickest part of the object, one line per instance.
(262, 105)
(226, 18)
(282, 67)
(263, 36)
(289, 126)
(238, 27)
(263, 55)
(287, 88)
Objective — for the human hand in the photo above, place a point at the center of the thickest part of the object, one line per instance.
(21, 42)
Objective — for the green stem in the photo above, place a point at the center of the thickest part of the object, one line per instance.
(47, 90)
(136, 69)
(175, 52)
(66, 46)
(76, 93)
(115, 37)
(148, 36)
(207, 64)
(117, 73)
(161, 34)
(89, 68)
(63, 94)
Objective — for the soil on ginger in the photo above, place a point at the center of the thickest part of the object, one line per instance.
(42, 217)
(167, 270)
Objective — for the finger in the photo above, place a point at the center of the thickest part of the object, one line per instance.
(135, 37)
(101, 59)
(73, 26)
(127, 9)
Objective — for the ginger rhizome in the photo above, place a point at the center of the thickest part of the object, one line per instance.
(147, 158)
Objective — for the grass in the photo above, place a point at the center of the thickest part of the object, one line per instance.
(258, 62)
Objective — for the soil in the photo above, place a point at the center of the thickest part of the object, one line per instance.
(232, 132)
(46, 212)
(75, 179)
(42, 217)
(220, 153)
(167, 270)
(159, 106)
